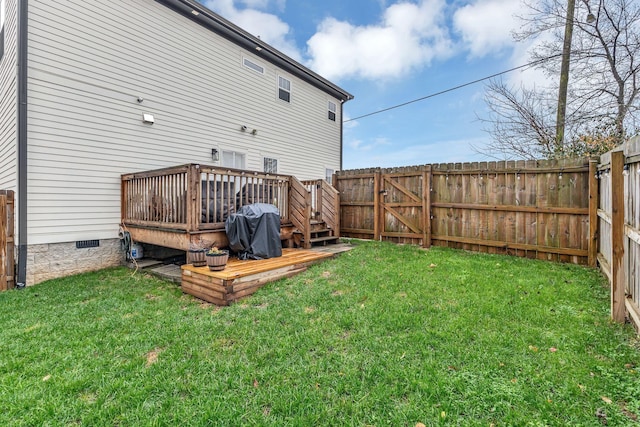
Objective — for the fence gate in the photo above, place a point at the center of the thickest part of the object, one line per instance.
(404, 208)
(7, 280)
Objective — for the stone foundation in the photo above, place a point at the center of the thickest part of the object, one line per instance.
(53, 260)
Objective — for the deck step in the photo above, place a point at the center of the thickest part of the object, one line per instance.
(318, 226)
(321, 233)
(144, 263)
(324, 240)
(169, 272)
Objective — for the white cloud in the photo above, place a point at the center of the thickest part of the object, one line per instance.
(486, 25)
(347, 122)
(267, 26)
(360, 146)
(263, 4)
(408, 37)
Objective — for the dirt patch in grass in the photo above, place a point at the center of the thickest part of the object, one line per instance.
(152, 356)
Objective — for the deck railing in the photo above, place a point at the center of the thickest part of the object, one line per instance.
(198, 199)
(157, 198)
(223, 191)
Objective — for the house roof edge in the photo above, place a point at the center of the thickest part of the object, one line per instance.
(237, 35)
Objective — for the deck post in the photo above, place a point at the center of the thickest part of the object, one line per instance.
(307, 226)
(193, 196)
(319, 199)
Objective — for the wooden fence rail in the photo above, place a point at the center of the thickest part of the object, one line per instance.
(535, 209)
(7, 263)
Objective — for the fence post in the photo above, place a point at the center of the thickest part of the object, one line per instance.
(617, 237)
(594, 202)
(426, 207)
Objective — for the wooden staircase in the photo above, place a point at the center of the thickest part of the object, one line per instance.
(321, 234)
(323, 226)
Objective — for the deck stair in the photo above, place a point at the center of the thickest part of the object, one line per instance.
(324, 221)
(321, 234)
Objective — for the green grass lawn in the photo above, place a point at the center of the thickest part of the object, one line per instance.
(382, 335)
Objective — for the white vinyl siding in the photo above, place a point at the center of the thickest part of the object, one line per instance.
(88, 64)
(8, 98)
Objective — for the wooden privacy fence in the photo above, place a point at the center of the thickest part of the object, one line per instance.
(535, 209)
(619, 228)
(7, 264)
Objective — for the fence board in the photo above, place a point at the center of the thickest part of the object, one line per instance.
(7, 261)
(526, 208)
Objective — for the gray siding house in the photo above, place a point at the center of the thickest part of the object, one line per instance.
(95, 89)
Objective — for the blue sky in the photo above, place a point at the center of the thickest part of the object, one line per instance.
(388, 52)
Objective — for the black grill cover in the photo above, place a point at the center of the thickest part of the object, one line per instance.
(254, 232)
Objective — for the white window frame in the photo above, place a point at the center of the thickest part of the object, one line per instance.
(329, 176)
(235, 155)
(289, 90)
(330, 111)
(246, 60)
(271, 160)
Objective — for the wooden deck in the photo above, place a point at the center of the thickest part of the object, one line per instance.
(242, 278)
(187, 205)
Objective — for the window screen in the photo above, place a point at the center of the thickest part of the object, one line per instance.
(270, 165)
(233, 159)
(253, 66)
(284, 89)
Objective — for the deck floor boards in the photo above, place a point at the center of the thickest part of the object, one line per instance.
(243, 277)
(237, 268)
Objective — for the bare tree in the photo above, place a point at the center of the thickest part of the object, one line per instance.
(602, 100)
(520, 123)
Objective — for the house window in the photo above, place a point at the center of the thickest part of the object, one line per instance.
(2, 18)
(253, 66)
(284, 89)
(328, 175)
(233, 159)
(332, 111)
(270, 165)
